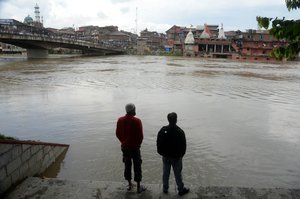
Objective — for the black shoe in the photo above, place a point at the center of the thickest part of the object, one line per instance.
(184, 191)
(141, 189)
(165, 191)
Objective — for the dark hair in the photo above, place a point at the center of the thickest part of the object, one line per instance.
(172, 118)
(130, 108)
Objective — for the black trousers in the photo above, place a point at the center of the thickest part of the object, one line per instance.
(129, 156)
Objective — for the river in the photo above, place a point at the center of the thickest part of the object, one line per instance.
(241, 119)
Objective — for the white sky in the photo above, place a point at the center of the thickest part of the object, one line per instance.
(156, 15)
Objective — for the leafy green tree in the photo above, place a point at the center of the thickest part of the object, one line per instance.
(3, 137)
(284, 29)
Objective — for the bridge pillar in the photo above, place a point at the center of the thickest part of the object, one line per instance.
(37, 53)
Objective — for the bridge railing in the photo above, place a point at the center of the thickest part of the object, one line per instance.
(45, 35)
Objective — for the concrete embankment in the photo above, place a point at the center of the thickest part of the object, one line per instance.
(21, 159)
(68, 189)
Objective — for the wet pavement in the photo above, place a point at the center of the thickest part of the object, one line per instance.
(55, 188)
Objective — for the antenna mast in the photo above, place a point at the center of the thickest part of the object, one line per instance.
(136, 20)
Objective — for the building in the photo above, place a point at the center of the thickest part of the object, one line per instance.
(176, 36)
(86, 31)
(142, 47)
(150, 42)
(114, 36)
(205, 42)
(29, 26)
(117, 39)
(101, 34)
(11, 49)
(133, 38)
(38, 22)
(212, 45)
(28, 20)
(256, 45)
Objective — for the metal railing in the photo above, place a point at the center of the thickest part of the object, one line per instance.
(46, 35)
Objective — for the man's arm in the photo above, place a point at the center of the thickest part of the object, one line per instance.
(183, 143)
(119, 130)
(140, 131)
(160, 147)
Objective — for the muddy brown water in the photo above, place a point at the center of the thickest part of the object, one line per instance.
(241, 119)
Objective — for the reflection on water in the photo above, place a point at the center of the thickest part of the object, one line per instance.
(240, 119)
(55, 167)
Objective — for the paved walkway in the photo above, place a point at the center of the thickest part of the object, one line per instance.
(33, 188)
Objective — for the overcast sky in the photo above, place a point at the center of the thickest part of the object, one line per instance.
(156, 15)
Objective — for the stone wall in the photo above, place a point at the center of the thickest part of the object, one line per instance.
(21, 159)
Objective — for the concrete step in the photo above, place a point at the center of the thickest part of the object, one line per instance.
(70, 189)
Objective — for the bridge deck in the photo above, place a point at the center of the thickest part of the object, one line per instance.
(39, 41)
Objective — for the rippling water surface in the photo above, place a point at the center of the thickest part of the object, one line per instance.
(241, 119)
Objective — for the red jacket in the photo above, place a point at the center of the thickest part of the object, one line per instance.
(130, 132)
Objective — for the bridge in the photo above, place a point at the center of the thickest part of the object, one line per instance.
(39, 40)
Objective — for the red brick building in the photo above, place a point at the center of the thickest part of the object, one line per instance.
(150, 42)
(256, 45)
(176, 35)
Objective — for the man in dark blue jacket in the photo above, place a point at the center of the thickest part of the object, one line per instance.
(171, 145)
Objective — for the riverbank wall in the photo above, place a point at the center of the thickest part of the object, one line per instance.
(22, 159)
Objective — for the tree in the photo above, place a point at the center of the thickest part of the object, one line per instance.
(284, 29)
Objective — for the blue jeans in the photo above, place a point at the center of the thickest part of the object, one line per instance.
(176, 164)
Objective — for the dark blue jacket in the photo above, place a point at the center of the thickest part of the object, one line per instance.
(171, 142)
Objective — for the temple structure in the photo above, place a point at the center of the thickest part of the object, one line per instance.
(189, 44)
(214, 46)
(206, 34)
(221, 33)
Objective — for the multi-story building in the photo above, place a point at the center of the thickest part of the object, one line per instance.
(150, 42)
(175, 38)
(114, 36)
(256, 45)
(212, 45)
(133, 37)
(176, 35)
(250, 45)
(108, 35)
(11, 49)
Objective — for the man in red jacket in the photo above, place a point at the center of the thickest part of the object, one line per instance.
(130, 133)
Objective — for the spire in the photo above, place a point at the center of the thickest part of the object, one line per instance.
(190, 37)
(206, 32)
(221, 33)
